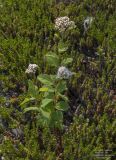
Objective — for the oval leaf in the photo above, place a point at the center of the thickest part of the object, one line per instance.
(52, 59)
(31, 109)
(67, 61)
(62, 106)
(46, 102)
(45, 114)
(33, 89)
(61, 87)
(43, 89)
(26, 100)
(45, 79)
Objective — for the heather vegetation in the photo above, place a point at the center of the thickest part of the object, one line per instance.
(57, 80)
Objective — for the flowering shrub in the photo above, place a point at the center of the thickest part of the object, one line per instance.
(59, 118)
(54, 102)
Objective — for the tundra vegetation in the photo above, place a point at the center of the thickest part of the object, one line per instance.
(57, 79)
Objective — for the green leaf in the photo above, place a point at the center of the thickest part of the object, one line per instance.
(51, 89)
(62, 47)
(49, 95)
(26, 100)
(32, 90)
(43, 89)
(31, 109)
(52, 60)
(63, 97)
(53, 77)
(45, 79)
(57, 116)
(67, 61)
(56, 119)
(62, 106)
(45, 114)
(46, 102)
(61, 87)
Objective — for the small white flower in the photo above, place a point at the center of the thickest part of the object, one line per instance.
(63, 23)
(72, 25)
(1, 6)
(32, 68)
(64, 73)
(87, 23)
(2, 158)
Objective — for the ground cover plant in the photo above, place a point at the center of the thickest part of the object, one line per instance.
(57, 80)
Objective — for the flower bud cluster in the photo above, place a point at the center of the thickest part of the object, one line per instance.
(64, 73)
(32, 68)
(63, 23)
(72, 25)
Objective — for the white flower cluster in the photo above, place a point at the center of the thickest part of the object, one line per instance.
(64, 73)
(72, 25)
(2, 158)
(32, 68)
(63, 23)
(1, 6)
(87, 23)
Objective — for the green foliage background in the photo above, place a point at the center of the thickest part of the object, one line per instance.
(27, 34)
